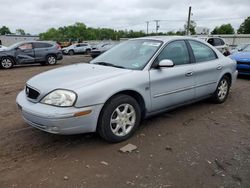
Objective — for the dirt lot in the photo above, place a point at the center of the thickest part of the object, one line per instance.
(201, 145)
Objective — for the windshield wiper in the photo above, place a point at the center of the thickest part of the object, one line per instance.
(109, 64)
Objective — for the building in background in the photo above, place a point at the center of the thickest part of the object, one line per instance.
(10, 39)
(201, 31)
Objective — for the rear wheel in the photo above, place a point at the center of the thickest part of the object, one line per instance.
(88, 51)
(221, 93)
(51, 60)
(6, 63)
(119, 118)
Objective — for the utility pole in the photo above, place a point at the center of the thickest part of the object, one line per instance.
(157, 26)
(147, 26)
(188, 23)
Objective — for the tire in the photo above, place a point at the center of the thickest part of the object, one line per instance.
(125, 113)
(88, 51)
(51, 60)
(71, 52)
(6, 63)
(222, 90)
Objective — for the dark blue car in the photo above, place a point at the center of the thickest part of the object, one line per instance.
(243, 62)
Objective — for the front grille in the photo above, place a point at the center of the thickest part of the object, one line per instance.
(243, 63)
(31, 93)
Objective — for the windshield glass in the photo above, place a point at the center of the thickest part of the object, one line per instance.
(241, 46)
(14, 45)
(132, 54)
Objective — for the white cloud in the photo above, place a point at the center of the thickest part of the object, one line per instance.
(37, 16)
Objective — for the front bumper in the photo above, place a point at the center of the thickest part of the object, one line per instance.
(59, 56)
(58, 120)
(243, 68)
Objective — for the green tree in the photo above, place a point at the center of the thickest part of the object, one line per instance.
(20, 32)
(223, 29)
(192, 27)
(80, 32)
(245, 27)
(4, 30)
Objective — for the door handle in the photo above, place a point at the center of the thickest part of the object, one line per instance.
(189, 73)
(219, 67)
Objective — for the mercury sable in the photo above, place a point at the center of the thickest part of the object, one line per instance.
(134, 80)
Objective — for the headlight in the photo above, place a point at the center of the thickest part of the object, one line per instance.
(59, 97)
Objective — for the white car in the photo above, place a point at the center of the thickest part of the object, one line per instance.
(2, 47)
(77, 49)
(218, 43)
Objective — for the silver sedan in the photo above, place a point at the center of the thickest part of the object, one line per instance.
(134, 80)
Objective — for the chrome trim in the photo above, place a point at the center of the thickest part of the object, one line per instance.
(182, 89)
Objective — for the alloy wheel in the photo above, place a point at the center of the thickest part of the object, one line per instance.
(6, 63)
(123, 119)
(222, 89)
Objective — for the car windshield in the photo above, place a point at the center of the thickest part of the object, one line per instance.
(241, 46)
(132, 54)
(14, 45)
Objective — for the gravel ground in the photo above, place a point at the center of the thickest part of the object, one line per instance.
(200, 145)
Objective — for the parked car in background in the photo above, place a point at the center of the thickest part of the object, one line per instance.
(218, 43)
(77, 49)
(241, 47)
(99, 49)
(45, 53)
(135, 79)
(2, 48)
(243, 62)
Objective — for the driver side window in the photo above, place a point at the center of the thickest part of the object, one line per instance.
(176, 51)
(26, 46)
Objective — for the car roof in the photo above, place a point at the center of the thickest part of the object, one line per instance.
(165, 38)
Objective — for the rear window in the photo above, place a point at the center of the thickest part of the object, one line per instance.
(42, 45)
(202, 52)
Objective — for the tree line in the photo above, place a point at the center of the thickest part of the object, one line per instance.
(80, 32)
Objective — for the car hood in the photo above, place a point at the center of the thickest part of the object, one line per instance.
(73, 77)
(241, 56)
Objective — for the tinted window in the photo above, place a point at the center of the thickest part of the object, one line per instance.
(202, 52)
(211, 41)
(176, 51)
(41, 45)
(217, 42)
(222, 42)
(26, 46)
(83, 44)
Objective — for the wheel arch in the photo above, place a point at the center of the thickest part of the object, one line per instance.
(229, 76)
(11, 57)
(132, 93)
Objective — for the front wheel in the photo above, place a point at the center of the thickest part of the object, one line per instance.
(71, 52)
(119, 118)
(6, 63)
(221, 93)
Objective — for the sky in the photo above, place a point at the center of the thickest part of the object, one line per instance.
(36, 16)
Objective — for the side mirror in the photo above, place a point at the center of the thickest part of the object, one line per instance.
(240, 49)
(166, 63)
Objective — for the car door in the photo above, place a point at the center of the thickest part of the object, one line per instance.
(25, 53)
(77, 48)
(207, 68)
(171, 86)
(41, 49)
(83, 48)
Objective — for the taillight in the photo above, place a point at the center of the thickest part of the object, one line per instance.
(58, 47)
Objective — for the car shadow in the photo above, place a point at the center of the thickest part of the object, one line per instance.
(245, 77)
